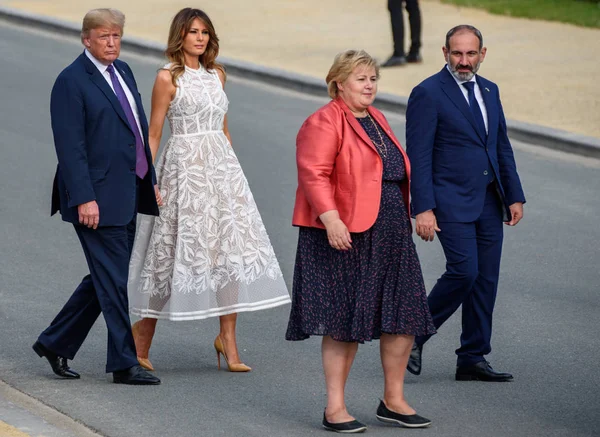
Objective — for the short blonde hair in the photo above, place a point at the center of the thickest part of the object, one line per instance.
(102, 17)
(344, 64)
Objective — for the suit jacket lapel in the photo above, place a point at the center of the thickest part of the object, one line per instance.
(491, 108)
(99, 80)
(454, 93)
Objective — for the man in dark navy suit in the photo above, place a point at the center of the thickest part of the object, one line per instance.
(464, 185)
(104, 177)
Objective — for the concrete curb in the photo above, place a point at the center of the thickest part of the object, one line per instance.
(526, 132)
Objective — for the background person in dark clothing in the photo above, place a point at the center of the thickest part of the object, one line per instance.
(397, 19)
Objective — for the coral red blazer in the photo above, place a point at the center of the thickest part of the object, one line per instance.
(339, 168)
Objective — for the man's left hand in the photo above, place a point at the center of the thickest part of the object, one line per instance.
(159, 198)
(516, 213)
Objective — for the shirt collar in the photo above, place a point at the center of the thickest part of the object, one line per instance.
(99, 65)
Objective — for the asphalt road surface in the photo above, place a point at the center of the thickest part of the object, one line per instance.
(546, 329)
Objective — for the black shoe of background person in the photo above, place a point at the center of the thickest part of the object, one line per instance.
(384, 414)
(481, 371)
(352, 427)
(135, 375)
(394, 61)
(414, 360)
(58, 363)
(414, 58)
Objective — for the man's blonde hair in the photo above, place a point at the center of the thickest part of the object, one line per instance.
(102, 17)
(344, 64)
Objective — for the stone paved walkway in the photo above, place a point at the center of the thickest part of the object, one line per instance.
(548, 73)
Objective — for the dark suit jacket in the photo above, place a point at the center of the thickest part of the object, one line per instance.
(451, 162)
(96, 146)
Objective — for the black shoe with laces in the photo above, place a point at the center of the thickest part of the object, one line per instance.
(59, 364)
(135, 375)
(481, 371)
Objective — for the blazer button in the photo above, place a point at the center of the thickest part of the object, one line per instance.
(133, 169)
(485, 173)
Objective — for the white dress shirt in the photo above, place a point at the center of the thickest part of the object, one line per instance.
(478, 96)
(104, 72)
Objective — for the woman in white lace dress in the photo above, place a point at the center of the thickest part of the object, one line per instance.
(208, 253)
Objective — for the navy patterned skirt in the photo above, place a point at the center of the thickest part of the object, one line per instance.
(376, 287)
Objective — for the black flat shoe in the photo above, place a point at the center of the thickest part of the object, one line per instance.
(135, 375)
(414, 360)
(59, 364)
(352, 427)
(481, 371)
(386, 415)
(394, 61)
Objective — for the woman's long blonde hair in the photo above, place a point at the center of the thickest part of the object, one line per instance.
(180, 27)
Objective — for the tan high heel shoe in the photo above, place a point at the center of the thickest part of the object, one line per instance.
(233, 367)
(144, 362)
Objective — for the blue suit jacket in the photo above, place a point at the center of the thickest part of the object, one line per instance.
(96, 146)
(451, 162)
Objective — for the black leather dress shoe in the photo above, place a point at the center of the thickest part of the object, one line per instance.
(58, 363)
(414, 58)
(414, 360)
(481, 371)
(386, 415)
(352, 427)
(394, 61)
(135, 375)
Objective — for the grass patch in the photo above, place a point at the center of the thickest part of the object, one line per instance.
(579, 12)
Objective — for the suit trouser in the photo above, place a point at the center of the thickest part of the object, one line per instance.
(473, 252)
(107, 251)
(397, 19)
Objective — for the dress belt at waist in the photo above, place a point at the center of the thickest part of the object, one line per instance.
(204, 132)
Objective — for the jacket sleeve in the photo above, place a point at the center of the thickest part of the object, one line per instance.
(67, 113)
(317, 146)
(421, 125)
(509, 177)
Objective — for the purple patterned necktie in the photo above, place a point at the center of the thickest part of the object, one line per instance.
(141, 164)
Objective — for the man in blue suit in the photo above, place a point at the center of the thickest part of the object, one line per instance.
(104, 177)
(464, 185)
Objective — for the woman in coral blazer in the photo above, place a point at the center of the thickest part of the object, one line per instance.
(357, 276)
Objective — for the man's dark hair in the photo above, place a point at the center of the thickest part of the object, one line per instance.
(463, 27)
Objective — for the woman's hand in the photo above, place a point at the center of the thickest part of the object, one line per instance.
(337, 232)
(159, 199)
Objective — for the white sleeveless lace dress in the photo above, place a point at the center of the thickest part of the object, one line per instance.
(208, 253)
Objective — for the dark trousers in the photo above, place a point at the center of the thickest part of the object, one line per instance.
(473, 252)
(107, 251)
(414, 19)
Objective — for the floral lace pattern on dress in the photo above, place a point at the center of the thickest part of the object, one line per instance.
(208, 252)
